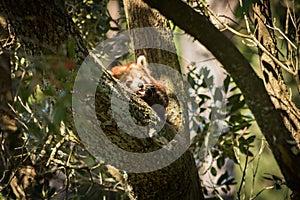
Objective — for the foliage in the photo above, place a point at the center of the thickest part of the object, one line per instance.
(229, 134)
(91, 18)
(42, 105)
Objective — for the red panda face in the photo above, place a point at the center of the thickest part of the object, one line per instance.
(136, 77)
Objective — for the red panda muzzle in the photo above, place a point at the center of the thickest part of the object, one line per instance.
(136, 77)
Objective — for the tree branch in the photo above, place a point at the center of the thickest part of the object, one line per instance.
(268, 118)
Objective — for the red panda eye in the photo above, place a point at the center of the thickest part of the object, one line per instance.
(128, 83)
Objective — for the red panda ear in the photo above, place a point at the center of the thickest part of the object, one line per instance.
(118, 71)
(141, 60)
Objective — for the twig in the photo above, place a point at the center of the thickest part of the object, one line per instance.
(244, 175)
(262, 147)
(264, 189)
(252, 37)
(281, 33)
(55, 149)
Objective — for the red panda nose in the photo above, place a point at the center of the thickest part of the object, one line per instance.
(141, 85)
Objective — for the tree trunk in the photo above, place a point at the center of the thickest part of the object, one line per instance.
(180, 179)
(44, 28)
(278, 93)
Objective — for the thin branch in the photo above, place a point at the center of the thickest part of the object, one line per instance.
(283, 35)
(262, 190)
(252, 37)
(243, 175)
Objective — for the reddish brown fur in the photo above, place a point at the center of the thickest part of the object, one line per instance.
(136, 78)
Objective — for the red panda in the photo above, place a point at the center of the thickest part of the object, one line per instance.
(138, 79)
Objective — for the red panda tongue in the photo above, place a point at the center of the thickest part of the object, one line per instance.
(141, 92)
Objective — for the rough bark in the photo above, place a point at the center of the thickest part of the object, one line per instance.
(277, 90)
(179, 180)
(282, 142)
(139, 15)
(44, 27)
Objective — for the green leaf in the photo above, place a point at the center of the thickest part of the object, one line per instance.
(234, 98)
(224, 190)
(213, 171)
(230, 181)
(191, 80)
(218, 96)
(250, 139)
(220, 162)
(59, 114)
(237, 106)
(222, 178)
(214, 154)
(245, 149)
(226, 83)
